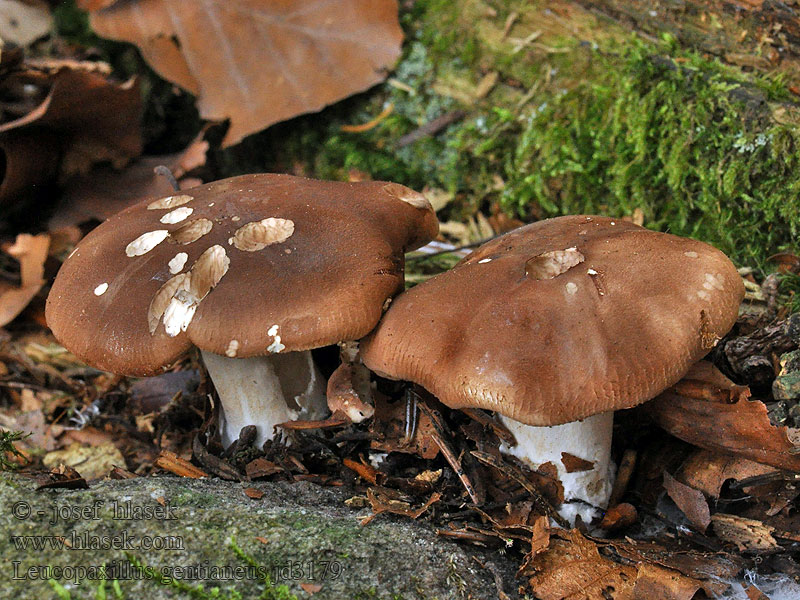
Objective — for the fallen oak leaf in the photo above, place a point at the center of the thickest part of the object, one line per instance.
(713, 571)
(690, 501)
(653, 581)
(707, 471)
(95, 114)
(572, 568)
(91, 462)
(62, 477)
(381, 502)
(366, 472)
(273, 61)
(574, 464)
(84, 118)
(105, 191)
(31, 252)
(742, 428)
(619, 516)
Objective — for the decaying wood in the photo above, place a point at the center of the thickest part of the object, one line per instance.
(749, 535)
(173, 463)
(758, 34)
(750, 356)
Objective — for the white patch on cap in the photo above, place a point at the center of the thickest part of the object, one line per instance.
(179, 313)
(591, 272)
(191, 231)
(162, 299)
(612, 222)
(146, 242)
(548, 265)
(177, 263)
(691, 254)
(257, 235)
(703, 295)
(232, 349)
(178, 298)
(170, 202)
(276, 345)
(484, 261)
(714, 282)
(236, 219)
(177, 215)
(571, 288)
(408, 196)
(100, 289)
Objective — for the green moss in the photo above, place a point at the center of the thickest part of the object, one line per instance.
(8, 450)
(610, 125)
(790, 291)
(686, 141)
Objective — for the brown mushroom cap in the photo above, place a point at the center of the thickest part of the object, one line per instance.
(277, 263)
(560, 320)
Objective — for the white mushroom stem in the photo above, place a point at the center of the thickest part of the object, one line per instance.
(586, 493)
(264, 391)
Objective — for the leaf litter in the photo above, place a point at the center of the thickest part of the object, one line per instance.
(706, 488)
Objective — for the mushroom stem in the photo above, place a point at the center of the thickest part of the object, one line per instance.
(264, 391)
(585, 491)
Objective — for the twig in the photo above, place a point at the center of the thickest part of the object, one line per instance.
(518, 476)
(438, 435)
(165, 172)
(430, 128)
(369, 124)
(624, 473)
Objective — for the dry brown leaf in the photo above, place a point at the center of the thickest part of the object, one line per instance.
(690, 501)
(707, 471)
(575, 464)
(311, 588)
(31, 252)
(742, 428)
(261, 467)
(106, 191)
(572, 569)
(389, 426)
(657, 582)
(99, 118)
(253, 493)
(258, 62)
(711, 570)
(83, 119)
(91, 462)
(619, 516)
(24, 22)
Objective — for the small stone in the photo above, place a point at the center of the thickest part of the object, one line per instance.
(786, 387)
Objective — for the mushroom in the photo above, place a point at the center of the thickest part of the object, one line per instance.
(554, 326)
(255, 271)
